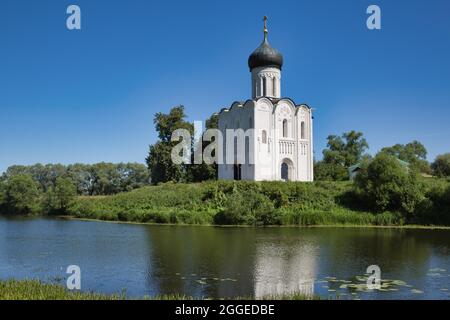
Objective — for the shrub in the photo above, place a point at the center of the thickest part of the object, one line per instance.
(251, 208)
(22, 195)
(441, 166)
(435, 208)
(384, 184)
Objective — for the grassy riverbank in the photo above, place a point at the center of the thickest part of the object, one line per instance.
(36, 290)
(234, 203)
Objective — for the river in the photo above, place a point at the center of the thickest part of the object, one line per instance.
(214, 262)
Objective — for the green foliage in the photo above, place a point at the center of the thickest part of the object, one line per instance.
(329, 171)
(166, 124)
(414, 153)
(251, 208)
(203, 171)
(2, 192)
(384, 184)
(341, 153)
(159, 160)
(37, 290)
(346, 150)
(435, 207)
(441, 165)
(232, 203)
(65, 192)
(22, 195)
(97, 179)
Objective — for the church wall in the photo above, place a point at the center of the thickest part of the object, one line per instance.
(264, 147)
(304, 156)
(294, 149)
(238, 117)
(285, 139)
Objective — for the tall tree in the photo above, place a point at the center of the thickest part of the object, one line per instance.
(203, 171)
(441, 165)
(22, 195)
(341, 152)
(159, 162)
(414, 153)
(58, 199)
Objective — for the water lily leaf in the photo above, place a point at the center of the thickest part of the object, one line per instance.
(416, 291)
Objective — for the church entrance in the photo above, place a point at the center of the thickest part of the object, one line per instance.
(287, 170)
(284, 171)
(238, 172)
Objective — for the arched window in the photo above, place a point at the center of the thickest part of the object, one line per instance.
(264, 136)
(284, 171)
(274, 86)
(237, 174)
(302, 130)
(285, 128)
(264, 93)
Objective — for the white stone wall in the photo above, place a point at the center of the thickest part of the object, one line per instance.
(293, 148)
(271, 77)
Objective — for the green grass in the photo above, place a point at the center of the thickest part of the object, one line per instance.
(233, 203)
(36, 290)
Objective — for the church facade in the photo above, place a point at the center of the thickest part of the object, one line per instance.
(278, 133)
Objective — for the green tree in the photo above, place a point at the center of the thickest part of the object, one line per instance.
(341, 152)
(132, 176)
(414, 153)
(2, 193)
(441, 165)
(65, 192)
(22, 195)
(385, 184)
(203, 171)
(329, 171)
(159, 162)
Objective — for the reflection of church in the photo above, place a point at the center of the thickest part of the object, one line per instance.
(281, 270)
(281, 144)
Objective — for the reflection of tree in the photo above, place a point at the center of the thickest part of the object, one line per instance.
(222, 253)
(361, 247)
(282, 260)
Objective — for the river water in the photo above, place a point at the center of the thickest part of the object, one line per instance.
(213, 262)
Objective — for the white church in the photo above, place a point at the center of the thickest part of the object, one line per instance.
(280, 146)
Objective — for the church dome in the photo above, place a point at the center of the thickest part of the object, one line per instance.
(265, 55)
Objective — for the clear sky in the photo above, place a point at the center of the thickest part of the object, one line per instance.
(90, 95)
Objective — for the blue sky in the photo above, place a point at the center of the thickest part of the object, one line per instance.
(90, 95)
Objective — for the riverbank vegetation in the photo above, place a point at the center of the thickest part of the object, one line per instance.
(271, 203)
(397, 186)
(36, 290)
(384, 193)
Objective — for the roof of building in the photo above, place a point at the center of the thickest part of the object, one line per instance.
(274, 102)
(265, 55)
(359, 164)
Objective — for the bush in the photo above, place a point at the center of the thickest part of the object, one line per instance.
(435, 208)
(384, 184)
(21, 195)
(441, 166)
(246, 203)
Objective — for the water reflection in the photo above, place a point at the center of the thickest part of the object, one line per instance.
(281, 270)
(227, 262)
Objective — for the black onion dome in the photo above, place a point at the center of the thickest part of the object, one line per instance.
(265, 55)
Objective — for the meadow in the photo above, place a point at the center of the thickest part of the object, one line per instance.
(234, 203)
